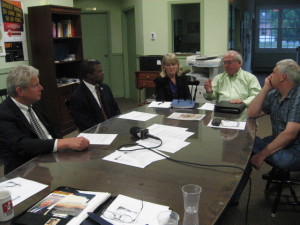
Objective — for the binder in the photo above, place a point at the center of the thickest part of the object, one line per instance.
(61, 212)
(227, 107)
(182, 104)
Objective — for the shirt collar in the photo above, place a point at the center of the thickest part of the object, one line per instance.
(291, 92)
(90, 86)
(238, 72)
(20, 105)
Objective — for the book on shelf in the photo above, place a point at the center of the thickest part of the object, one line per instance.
(63, 28)
(64, 205)
(60, 30)
(67, 28)
(54, 34)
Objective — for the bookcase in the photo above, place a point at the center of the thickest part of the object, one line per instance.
(56, 44)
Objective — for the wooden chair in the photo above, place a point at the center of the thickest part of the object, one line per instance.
(284, 182)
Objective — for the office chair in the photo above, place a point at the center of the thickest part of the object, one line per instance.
(285, 180)
(3, 94)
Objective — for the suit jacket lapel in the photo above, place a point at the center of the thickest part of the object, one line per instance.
(19, 114)
(90, 98)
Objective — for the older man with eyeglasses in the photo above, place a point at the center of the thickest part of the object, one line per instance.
(234, 84)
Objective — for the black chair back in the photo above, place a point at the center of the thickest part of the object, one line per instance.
(3, 94)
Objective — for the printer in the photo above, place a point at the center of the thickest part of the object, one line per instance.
(202, 68)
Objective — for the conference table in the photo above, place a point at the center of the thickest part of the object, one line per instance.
(161, 181)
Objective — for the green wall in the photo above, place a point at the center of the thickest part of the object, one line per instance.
(214, 28)
(153, 16)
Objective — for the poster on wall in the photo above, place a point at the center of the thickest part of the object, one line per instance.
(13, 31)
(2, 49)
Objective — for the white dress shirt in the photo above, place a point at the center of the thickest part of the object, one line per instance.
(92, 88)
(24, 110)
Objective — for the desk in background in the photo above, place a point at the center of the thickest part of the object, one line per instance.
(161, 181)
(144, 79)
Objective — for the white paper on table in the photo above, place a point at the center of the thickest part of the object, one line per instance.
(161, 127)
(207, 106)
(146, 212)
(140, 116)
(21, 188)
(139, 158)
(168, 144)
(99, 139)
(155, 104)
(164, 131)
(227, 124)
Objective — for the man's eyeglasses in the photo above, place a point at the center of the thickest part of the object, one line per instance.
(123, 214)
(229, 62)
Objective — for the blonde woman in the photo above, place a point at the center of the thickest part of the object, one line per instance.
(170, 84)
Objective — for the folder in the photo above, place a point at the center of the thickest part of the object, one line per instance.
(63, 205)
(183, 104)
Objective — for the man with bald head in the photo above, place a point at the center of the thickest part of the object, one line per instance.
(234, 84)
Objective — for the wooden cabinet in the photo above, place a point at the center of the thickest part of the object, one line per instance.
(144, 79)
(56, 43)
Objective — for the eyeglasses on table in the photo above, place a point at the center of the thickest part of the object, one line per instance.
(123, 214)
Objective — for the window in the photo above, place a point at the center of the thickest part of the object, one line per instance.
(186, 27)
(279, 28)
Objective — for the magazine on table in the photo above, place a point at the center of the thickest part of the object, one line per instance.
(186, 116)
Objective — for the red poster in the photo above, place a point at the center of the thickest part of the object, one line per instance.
(12, 14)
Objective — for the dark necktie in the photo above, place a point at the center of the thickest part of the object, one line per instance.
(35, 125)
(101, 102)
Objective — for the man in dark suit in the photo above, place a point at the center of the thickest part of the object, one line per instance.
(92, 102)
(25, 132)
